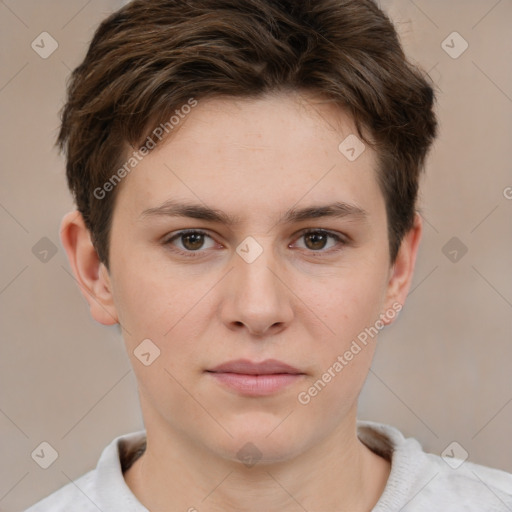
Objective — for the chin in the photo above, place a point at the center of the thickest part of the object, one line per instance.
(263, 439)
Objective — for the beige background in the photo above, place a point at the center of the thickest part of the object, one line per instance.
(441, 373)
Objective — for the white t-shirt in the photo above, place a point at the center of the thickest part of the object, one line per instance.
(418, 482)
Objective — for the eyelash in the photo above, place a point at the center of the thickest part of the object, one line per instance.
(199, 252)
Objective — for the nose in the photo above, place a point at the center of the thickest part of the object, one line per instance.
(256, 295)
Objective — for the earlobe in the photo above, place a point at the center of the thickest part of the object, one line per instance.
(90, 274)
(403, 269)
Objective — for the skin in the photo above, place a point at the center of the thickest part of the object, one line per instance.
(297, 302)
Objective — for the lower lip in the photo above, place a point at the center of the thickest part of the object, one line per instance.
(256, 385)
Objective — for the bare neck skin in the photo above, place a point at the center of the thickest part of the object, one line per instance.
(340, 473)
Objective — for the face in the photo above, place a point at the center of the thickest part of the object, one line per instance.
(289, 269)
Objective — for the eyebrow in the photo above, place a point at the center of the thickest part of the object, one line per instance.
(173, 208)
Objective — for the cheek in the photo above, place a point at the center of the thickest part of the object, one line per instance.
(349, 300)
(143, 302)
(163, 311)
(342, 359)
(170, 310)
(149, 292)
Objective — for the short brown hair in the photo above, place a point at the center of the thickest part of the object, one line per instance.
(150, 57)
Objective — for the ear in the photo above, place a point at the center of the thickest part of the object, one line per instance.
(91, 275)
(402, 271)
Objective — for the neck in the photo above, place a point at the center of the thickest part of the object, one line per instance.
(339, 473)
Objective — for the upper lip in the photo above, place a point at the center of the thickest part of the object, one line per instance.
(246, 367)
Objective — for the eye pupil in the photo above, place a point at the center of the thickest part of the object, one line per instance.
(318, 239)
(196, 241)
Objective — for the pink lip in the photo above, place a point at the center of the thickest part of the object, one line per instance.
(267, 367)
(255, 379)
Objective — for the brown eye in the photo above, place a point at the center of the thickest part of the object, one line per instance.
(316, 240)
(192, 241)
(189, 242)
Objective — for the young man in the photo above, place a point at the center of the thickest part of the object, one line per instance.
(246, 174)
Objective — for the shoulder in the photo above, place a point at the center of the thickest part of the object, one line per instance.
(102, 488)
(77, 495)
(463, 485)
(421, 481)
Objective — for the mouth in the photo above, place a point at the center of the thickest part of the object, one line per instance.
(255, 379)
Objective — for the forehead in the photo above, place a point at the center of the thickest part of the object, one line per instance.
(270, 151)
(278, 126)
